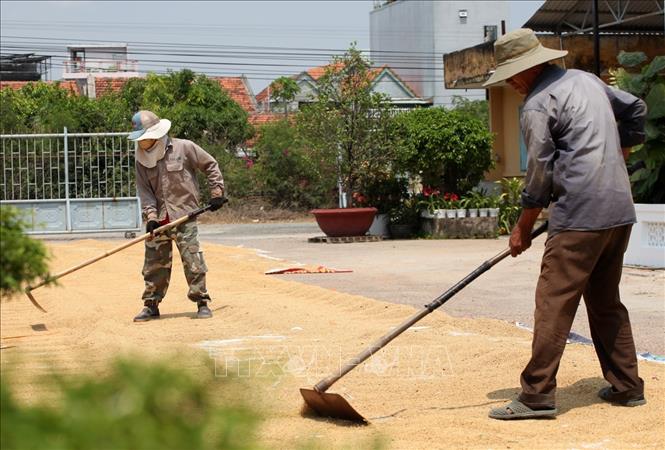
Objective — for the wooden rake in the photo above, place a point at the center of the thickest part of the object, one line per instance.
(335, 406)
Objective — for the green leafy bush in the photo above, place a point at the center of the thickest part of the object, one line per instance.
(407, 212)
(648, 84)
(135, 406)
(287, 174)
(451, 150)
(22, 259)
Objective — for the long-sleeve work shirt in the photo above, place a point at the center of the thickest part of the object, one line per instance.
(170, 188)
(574, 127)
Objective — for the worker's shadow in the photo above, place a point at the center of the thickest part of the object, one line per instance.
(190, 314)
(582, 393)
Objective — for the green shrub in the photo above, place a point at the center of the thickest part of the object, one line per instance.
(451, 150)
(22, 259)
(287, 173)
(135, 406)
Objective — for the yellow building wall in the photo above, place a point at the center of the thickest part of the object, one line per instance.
(504, 124)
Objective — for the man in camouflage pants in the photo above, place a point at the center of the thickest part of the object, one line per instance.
(166, 183)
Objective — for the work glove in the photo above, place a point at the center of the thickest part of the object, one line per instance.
(151, 226)
(217, 202)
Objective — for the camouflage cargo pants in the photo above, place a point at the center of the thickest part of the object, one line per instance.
(158, 262)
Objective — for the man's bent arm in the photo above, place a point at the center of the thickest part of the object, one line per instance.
(520, 237)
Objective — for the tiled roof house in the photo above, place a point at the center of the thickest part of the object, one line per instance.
(384, 80)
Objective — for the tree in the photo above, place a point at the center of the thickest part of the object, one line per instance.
(283, 91)
(450, 149)
(22, 259)
(350, 125)
(197, 106)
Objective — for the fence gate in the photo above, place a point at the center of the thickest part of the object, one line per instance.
(71, 182)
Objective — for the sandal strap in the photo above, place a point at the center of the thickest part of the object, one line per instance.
(518, 407)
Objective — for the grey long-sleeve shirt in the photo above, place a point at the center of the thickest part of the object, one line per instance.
(171, 186)
(574, 126)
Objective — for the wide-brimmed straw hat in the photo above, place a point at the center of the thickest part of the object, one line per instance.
(518, 51)
(146, 125)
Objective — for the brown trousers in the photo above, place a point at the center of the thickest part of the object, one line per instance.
(577, 263)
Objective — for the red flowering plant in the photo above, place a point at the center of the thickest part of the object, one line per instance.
(431, 199)
(450, 200)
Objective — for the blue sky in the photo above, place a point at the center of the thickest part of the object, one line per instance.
(307, 32)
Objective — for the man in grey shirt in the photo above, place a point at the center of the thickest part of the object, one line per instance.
(578, 132)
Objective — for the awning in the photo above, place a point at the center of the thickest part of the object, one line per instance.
(614, 16)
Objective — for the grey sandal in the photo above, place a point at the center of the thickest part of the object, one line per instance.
(518, 410)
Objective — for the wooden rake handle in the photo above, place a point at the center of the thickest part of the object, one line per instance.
(324, 384)
(142, 238)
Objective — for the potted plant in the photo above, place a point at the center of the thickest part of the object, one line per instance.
(404, 218)
(384, 192)
(469, 202)
(351, 128)
(494, 205)
(511, 203)
(430, 202)
(450, 204)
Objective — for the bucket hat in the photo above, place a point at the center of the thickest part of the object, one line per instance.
(518, 51)
(147, 125)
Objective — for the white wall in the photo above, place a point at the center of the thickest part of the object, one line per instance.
(434, 27)
(405, 27)
(647, 239)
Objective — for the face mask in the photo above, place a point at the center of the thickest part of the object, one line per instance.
(149, 157)
(159, 145)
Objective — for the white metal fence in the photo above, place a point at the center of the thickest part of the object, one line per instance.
(70, 182)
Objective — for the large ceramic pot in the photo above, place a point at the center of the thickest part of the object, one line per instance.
(344, 221)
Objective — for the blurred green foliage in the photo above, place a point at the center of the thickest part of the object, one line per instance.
(649, 85)
(22, 259)
(135, 406)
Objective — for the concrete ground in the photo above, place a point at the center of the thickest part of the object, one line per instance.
(415, 272)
